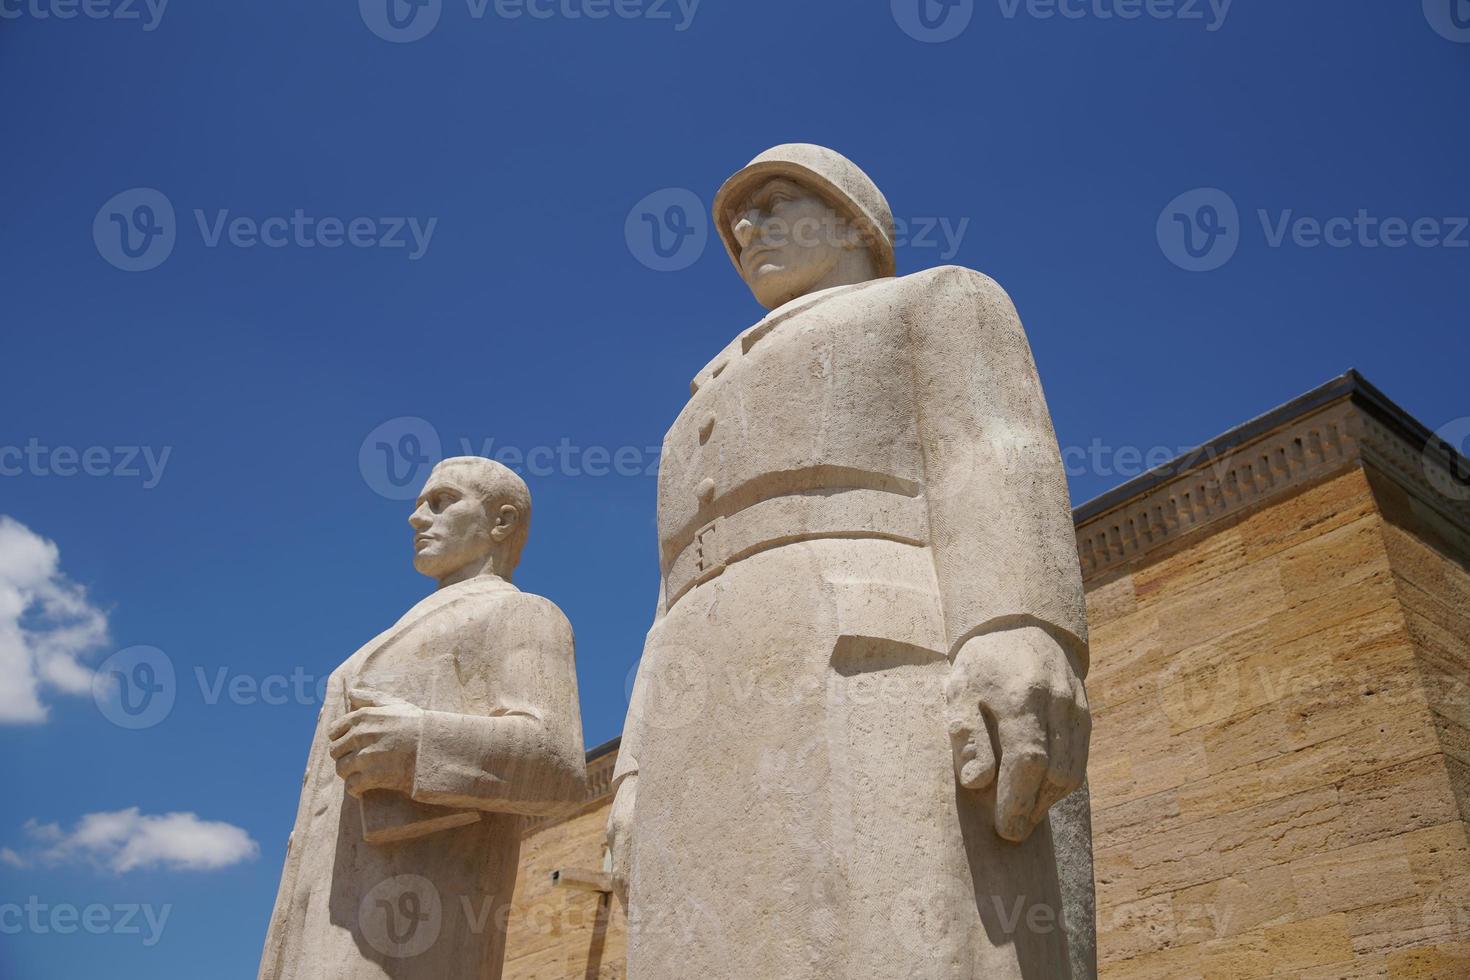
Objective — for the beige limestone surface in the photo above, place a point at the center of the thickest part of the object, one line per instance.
(436, 739)
(863, 689)
(1280, 667)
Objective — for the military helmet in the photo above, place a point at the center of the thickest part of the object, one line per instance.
(827, 172)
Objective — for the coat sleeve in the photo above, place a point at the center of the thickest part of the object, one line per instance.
(1000, 521)
(631, 743)
(514, 741)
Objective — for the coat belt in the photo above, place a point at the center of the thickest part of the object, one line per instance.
(852, 513)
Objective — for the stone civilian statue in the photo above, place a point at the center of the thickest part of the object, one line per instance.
(863, 689)
(435, 739)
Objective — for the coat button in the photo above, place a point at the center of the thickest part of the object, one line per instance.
(706, 429)
(706, 489)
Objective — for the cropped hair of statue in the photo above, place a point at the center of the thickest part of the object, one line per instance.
(861, 700)
(496, 484)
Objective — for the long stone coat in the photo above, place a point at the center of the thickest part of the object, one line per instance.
(502, 736)
(858, 484)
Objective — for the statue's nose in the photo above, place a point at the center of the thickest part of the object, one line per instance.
(745, 231)
(419, 519)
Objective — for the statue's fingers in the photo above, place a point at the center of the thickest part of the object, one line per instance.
(977, 758)
(348, 765)
(350, 742)
(974, 758)
(344, 724)
(1055, 786)
(365, 719)
(1063, 773)
(1079, 737)
(1023, 769)
(1060, 751)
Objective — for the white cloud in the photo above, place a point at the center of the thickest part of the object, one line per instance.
(46, 625)
(127, 840)
(7, 856)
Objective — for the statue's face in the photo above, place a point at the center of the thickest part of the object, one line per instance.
(451, 527)
(790, 241)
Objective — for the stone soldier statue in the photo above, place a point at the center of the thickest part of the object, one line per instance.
(863, 689)
(435, 739)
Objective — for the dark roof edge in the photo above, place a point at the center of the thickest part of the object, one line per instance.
(1351, 385)
(610, 746)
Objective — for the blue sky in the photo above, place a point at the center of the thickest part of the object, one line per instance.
(1067, 156)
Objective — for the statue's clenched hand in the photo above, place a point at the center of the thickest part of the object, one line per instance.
(376, 744)
(1018, 717)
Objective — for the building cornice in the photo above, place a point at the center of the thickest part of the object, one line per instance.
(1344, 423)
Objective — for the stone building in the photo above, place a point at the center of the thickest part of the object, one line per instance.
(1280, 685)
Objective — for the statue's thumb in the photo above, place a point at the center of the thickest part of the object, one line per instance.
(366, 697)
(974, 759)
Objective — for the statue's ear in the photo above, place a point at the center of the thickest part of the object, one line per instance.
(506, 518)
(851, 235)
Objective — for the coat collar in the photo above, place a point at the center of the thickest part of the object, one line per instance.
(753, 335)
(801, 304)
(381, 646)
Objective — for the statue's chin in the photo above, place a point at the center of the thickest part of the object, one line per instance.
(425, 565)
(441, 566)
(773, 289)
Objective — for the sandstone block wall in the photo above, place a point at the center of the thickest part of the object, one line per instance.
(1280, 767)
(1273, 789)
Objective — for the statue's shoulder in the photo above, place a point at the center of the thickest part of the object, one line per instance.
(528, 611)
(727, 355)
(953, 279)
(479, 600)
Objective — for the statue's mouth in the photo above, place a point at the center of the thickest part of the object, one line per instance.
(750, 259)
